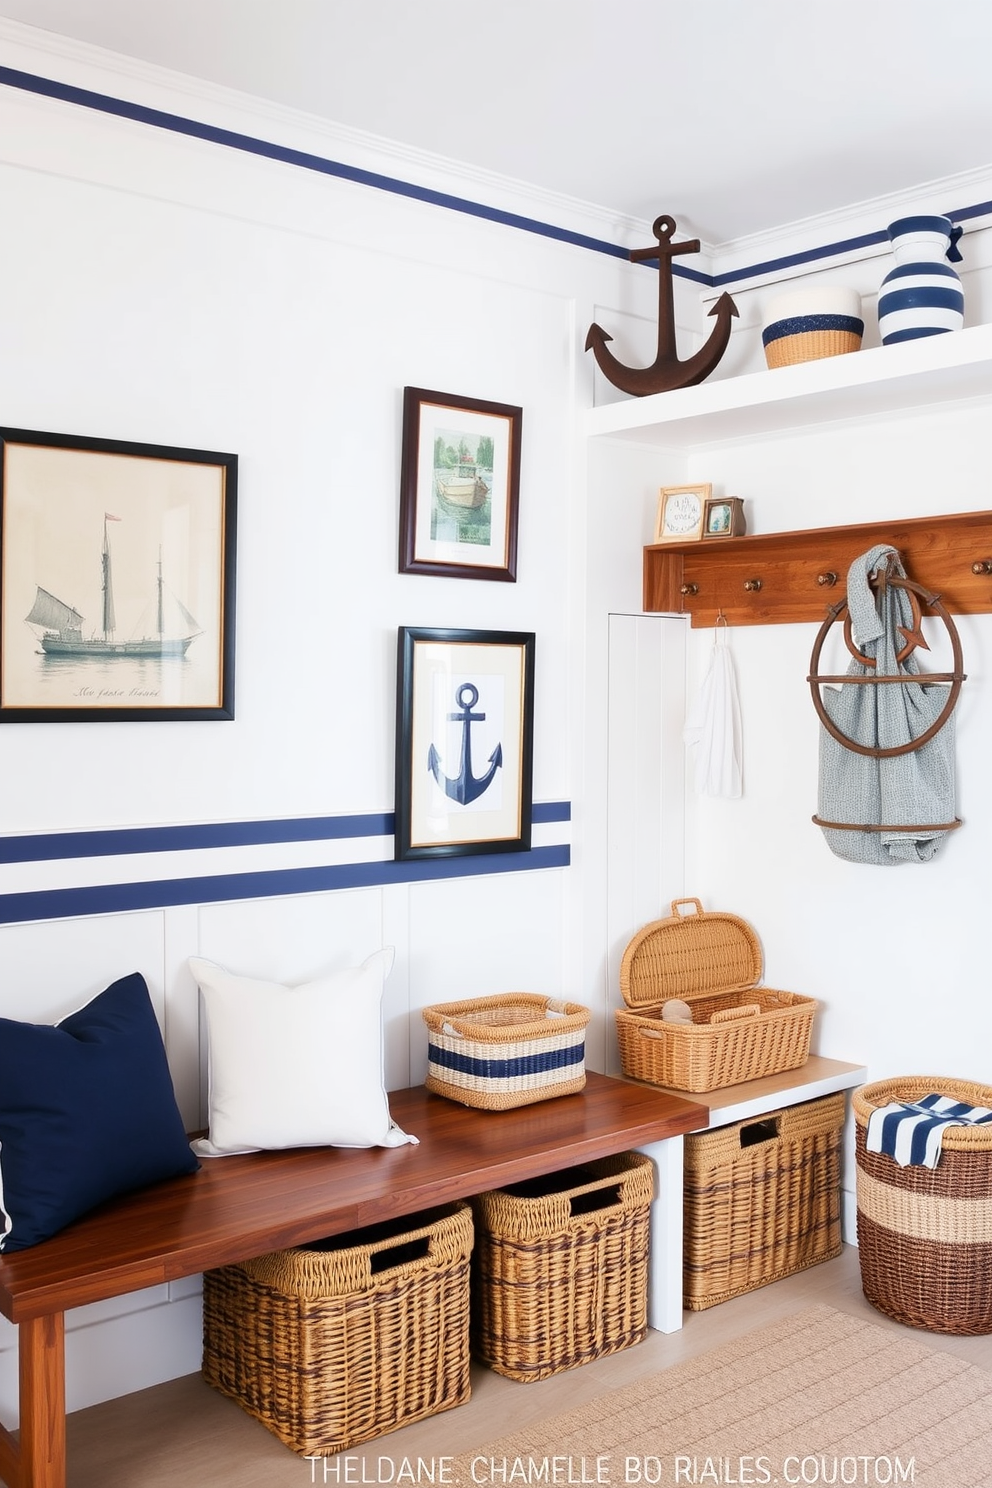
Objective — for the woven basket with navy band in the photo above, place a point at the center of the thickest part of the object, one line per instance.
(925, 1234)
(807, 338)
(507, 1050)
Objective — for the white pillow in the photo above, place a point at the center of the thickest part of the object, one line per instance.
(296, 1066)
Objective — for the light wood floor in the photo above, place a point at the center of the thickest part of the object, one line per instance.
(184, 1432)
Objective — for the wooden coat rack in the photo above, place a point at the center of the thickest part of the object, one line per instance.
(781, 578)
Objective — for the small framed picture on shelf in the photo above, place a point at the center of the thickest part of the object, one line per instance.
(724, 517)
(681, 513)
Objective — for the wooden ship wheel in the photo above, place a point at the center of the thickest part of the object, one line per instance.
(913, 638)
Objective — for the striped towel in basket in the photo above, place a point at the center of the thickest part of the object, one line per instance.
(911, 1131)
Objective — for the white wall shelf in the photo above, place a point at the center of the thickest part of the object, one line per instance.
(873, 383)
(816, 1078)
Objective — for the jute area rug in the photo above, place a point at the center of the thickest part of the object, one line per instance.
(818, 1398)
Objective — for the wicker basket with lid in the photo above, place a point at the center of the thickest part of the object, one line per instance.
(739, 1030)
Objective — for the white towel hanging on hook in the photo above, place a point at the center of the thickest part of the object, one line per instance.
(713, 725)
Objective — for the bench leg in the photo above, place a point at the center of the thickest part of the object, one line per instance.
(37, 1459)
(665, 1266)
(10, 1467)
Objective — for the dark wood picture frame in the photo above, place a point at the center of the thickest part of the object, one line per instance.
(465, 703)
(117, 580)
(459, 486)
(724, 517)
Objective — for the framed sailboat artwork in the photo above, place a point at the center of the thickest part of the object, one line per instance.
(117, 580)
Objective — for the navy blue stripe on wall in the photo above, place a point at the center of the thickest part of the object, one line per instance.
(57, 904)
(74, 901)
(303, 160)
(159, 119)
(113, 842)
(831, 250)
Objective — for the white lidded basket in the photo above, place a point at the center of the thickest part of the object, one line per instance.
(804, 325)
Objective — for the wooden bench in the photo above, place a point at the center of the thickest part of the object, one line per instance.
(238, 1207)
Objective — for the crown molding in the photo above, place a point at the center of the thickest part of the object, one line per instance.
(831, 239)
(75, 64)
(787, 251)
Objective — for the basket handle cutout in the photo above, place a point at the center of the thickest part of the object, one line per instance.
(678, 903)
(589, 1203)
(759, 1131)
(416, 1249)
(735, 1015)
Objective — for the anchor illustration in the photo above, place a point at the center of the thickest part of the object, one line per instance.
(465, 787)
(666, 371)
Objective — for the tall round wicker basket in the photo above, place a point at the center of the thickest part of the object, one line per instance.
(925, 1234)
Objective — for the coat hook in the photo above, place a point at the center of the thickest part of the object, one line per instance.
(982, 566)
(827, 580)
(689, 589)
(751, 584)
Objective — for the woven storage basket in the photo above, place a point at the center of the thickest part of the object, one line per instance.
(329, 1347)
(740, 1031)
(820, 320)
(787, 345)
(925, 1234)
(505, 1051)
(761, 1200)
(560, 1270)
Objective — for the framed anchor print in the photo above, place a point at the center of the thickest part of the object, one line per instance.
(464, 742)
(459, 486)
(116, 580)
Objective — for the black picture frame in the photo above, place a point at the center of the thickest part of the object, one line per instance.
(463, 696)
(459, 486)
(86, 525)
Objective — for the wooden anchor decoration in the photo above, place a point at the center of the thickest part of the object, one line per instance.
(666, 371)
(465, 787)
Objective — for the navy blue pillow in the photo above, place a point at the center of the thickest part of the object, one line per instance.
(87, 1111)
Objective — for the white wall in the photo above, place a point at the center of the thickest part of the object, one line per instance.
(196, 324)
(894, 953)
(173, 290)
(180, 292)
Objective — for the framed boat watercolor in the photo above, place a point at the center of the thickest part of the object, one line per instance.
(464, 742)
(459, 486)
(117, 578)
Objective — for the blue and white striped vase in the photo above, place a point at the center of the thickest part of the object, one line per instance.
(922, 295)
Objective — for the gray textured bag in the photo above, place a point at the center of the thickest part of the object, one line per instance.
(903, 793)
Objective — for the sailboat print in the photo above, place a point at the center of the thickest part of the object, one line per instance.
(62, 624)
